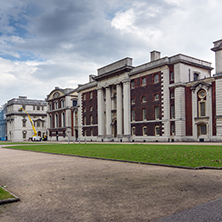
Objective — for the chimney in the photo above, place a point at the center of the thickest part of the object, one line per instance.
(154, 55)
(218, 56)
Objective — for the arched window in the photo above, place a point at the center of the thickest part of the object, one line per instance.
(133, 131)
(157, 130)
(144, 131)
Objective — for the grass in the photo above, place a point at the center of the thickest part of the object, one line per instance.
(4, 195)
(179, 155)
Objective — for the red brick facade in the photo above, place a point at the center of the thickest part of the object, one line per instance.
(89, 110)
(150, 91)
(188, 110)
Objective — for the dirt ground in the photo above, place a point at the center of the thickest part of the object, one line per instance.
(64, 188)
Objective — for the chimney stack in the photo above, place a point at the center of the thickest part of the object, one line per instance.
(154, 55)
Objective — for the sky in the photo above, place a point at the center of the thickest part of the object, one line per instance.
(59, 43)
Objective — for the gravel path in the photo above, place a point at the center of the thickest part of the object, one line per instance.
(64, 188)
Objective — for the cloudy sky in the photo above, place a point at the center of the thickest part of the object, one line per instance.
(48, 43)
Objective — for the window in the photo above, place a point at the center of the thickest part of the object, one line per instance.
(202, 103)
(144, 131)
(133, 101)
(91, 132)
(202, 108)
(90, 95)
(84, 120)
(157, 130)
(133, 114)
(91, 119)
(24, 123)
(157, 112)
(202, 94)
(43, 125)
(38, 123)
(24, 134)
(63, 119)
(90, 108)
(84, 96)
(23, 106)
(50, 121)
(55, 105)
(144, 113)
(172, 94)
(156, 78)
(143, 81)
(38, 107)
(172, 112)
(33, 107)
(56, 121)
(42, 108)
(74, 103)
(172, 128)
(143, 99)
(171, 76)
(63, 103)
(195, 76)
(202, 129)
(156, 97)
(84, 109)
(132, 84)
(133, 131)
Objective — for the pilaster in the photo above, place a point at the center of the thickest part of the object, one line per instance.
(119, 110)
(100, 101)
(108, 112)
(126, 108)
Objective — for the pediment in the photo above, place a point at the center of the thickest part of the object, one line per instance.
(200, 84)
(55, 94)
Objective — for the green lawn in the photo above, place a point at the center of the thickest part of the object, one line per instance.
(4, 194)
(179, 155)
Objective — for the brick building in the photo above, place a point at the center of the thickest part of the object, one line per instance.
(62, 114)
(166, 99)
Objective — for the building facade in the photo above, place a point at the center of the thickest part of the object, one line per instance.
(2, 124)
(167, 99)
(18, 125)
(62, 114)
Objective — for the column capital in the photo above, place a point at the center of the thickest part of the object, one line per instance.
(126, 81)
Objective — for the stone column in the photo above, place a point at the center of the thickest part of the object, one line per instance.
(108, 112)
(119, 110)
(180, 112)
(101, 124)
(127, 109)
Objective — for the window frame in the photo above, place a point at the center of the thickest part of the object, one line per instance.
(133, 131)
(156, 81)
(144, 130)
(144, 114)
(143, 81)
(155, 112)
(155, 130)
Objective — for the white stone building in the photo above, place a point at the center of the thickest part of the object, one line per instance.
(18, 126)
(166, 99)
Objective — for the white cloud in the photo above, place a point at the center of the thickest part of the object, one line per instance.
(59, 43)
